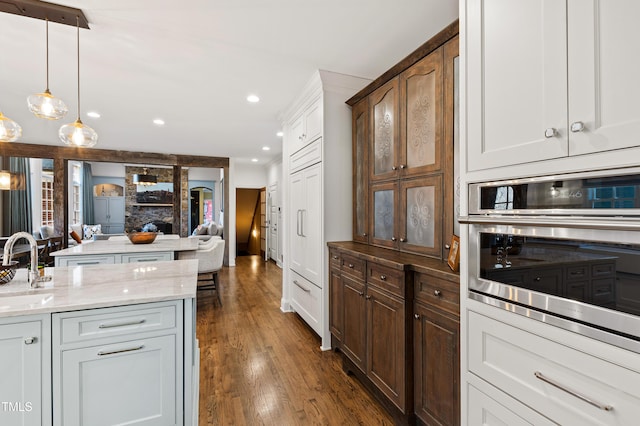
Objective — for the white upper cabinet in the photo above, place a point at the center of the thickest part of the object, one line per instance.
(307, 127)
(549, 78)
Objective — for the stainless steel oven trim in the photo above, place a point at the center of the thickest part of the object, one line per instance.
(584, 330)
(608, 224)
(474, 195)
(606, 318)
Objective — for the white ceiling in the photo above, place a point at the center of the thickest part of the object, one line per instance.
(193, 63)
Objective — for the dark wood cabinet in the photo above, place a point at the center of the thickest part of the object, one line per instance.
(360, 129)
(384, 133)
(336, 312)
(354, 321)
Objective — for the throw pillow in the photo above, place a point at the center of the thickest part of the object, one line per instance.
(46, 232)
(89, 230)
(76, 237)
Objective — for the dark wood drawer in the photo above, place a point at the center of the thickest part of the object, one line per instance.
(334, 258)
(601, 270)
(437, 292)
(353, 266)
(389, 279)
(577, 273)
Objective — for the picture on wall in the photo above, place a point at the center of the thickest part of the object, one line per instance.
(160, 193)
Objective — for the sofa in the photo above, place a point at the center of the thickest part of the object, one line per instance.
(207, 230)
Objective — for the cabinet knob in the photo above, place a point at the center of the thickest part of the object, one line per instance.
(300, 137)
(364, 235)
(447, 246)
(550, 132)
(393, 238)
(367, 297)
(403, 240)
(577, 126)
(402, 166)
(335, 257)
(383, 277)
(437, 293)
(394, 168)
(361, 293)
(537, 279)
(351, 265)
(30, 340)
(416, 316)
(304, 136)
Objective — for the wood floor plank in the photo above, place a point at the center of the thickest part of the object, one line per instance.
(260, 366)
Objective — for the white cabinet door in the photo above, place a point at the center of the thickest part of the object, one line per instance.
(132, 382)
(313, 120)
(101, 210)
(297, 203)
(23, 364)
(311, 225)
(517, 81)
(109, 212)
(603, 74)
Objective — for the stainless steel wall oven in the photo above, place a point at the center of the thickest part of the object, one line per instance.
(561, 249)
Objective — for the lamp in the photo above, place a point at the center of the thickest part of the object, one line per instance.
(5, 180)
(9, 129)
(76, 133)
(145, 178)
(45, 105)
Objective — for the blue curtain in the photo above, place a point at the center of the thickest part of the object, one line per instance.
(20, 195)
(87, 194)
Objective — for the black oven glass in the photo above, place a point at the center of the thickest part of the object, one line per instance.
(611, 192)
(597, 273)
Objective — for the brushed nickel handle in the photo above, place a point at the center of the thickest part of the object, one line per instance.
(122, 324)
(303, 288)
(361, 293)
(383, 277)
(537, 279)
(402, 166)
(577, 126)
(416, 316)
(447, 246)
(550, 132)
(304, 136)
(394, 168)
(30, 340)
(403, 240)
(605, 407)
(364, 235)
(335, 257)
(103, 353)
(350, 265)
(393, 238)
(437, 293)
(367, 297)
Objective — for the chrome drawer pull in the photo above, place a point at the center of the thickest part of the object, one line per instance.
(550, 132)
(308, 290)
(103, 353)
(437, 293)
(578, 395)
(383, 277)
(122, 324)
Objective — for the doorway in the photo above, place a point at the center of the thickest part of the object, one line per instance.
(200, 206)
(248, 221)
(273, 214)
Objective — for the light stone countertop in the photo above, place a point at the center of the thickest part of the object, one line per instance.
(124, 247)
(96, 286)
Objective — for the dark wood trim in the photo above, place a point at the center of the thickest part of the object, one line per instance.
(177, 200)
(429, 46)
(61, 198)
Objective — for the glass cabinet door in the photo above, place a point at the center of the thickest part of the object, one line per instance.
(421, 112)
(421, 217)
(384, 130)
(360, 126)
(384, 199)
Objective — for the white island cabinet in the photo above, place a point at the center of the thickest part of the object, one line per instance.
(101, 345)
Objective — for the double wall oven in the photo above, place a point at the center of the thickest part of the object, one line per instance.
(561, 249)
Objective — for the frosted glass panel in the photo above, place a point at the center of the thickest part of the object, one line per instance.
(421, 119)
(383, 134)
(360, 178)
(420, 220)
(383, 214)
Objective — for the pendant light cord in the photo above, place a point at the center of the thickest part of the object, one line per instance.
(78, 51)
(47, 49)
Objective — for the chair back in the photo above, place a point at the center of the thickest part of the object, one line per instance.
(210, 255)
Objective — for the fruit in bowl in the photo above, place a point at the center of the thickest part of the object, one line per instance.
(142, 237)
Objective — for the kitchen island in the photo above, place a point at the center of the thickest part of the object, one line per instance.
(111, 252)
(100, 344)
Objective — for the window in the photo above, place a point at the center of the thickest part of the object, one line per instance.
(504, 198)
(76, 195)
(47, 198)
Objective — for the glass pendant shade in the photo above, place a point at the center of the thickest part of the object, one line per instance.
(9, 129)
(78, 134)
(145, 179)
(45, 105)
(5, 180)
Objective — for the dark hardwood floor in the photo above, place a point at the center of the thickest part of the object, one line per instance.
(260, 366)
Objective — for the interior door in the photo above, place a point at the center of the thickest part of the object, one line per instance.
(272, 201)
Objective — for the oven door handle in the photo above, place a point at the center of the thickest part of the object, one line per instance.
(570, 391)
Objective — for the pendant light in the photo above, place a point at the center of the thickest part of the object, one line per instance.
(5, 180)
(77, 133)
(145, 179)
(45, 105)
(9, 129)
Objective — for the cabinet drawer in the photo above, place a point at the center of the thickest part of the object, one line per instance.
(306, 157)
(306, 299)
(146, 257)
(386, 278)
(438, 292)
(523, 365)
(601, 270)
(580, 273)
(334, 258)
(109, 322)
(353, 266)
(108, 259)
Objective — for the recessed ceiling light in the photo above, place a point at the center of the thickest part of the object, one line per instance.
(279, 134)
(265, 148)
(158, 122)
(255, 160)
(93, 114)
(253, 99)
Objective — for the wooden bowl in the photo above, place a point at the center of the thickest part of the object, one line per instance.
(7, 272)
(142, 237)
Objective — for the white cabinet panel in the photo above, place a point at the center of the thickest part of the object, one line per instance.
(131, 383)
(306, 301)
(107, 259)
(25, 368)
(109, 212)
(307, 127)
(147, 257)
(297, 204)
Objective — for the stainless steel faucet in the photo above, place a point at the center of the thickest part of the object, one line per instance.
(33, 276)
